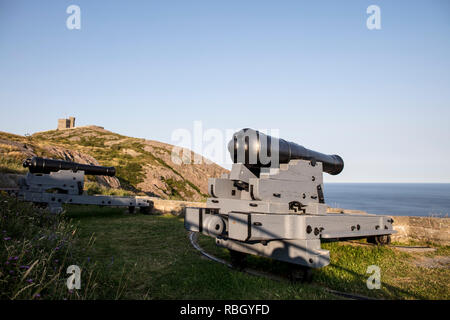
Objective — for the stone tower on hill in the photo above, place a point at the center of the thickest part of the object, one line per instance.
(66, 123)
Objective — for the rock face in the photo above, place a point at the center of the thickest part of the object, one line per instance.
(143, 167)
(157, 177)
(22, 151)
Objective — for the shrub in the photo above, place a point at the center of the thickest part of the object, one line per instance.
(93, 188)
(36, 249)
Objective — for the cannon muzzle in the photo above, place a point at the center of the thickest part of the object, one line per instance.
(256, 150)
(44, 165)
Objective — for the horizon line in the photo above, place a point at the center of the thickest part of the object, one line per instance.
(416, 182)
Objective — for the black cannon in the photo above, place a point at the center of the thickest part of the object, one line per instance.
(45, 166)
(254, 149)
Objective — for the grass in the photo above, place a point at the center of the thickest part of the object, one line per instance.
(36, 249)
(93, 188)
(11, 165)
(400, 277)
(177, 189)
(135, 256)
(163, 265)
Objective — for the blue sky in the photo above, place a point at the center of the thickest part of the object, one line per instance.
(378, 98)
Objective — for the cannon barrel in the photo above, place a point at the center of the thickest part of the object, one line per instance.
(43, 165)
(251, 147)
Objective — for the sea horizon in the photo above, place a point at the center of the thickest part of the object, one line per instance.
(425, 199)
(331, 182)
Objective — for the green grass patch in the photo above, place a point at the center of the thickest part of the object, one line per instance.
(177, 189)
(93, 188)
(161, 264)
(400, 277)
(165, 266)
(135, 256)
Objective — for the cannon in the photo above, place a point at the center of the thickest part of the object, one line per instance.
(249, 146)
(60, 176)
(43, 165)
(53, 183)
(272, 204)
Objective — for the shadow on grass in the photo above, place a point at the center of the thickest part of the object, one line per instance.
(361, 279)
(356, 285)
(169, 268)
(333, 276)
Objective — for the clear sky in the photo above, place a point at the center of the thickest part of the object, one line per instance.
(313, 70)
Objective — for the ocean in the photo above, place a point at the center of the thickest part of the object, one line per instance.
(399, 199)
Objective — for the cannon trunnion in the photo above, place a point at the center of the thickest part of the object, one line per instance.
(272, 203)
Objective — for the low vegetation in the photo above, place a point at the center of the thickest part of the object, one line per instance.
(135, 256)
(401, 278)
(36, 249)
(156, 253)
(11, 165)
(163, 265)
(93, 188)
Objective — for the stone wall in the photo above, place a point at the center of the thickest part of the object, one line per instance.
(422, 229)
(63, 124)
(174, 207)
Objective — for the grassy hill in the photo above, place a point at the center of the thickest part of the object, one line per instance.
(143, 166)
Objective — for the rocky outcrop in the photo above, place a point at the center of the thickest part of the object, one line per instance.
(143, 167)
(157, 177)
(16, 148)
(17, 151)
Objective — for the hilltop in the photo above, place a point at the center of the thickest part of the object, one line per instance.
(143, 166)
